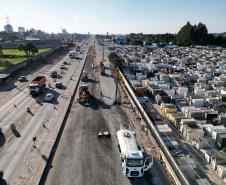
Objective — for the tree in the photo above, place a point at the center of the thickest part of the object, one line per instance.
(136, 42)
(200, 34)
(197, 34)
(1, 53)
(185, 35)
(28, 48)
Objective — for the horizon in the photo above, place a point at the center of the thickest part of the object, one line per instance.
(113, 16)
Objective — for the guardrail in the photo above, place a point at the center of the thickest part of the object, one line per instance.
(60, 132)
(176, 172)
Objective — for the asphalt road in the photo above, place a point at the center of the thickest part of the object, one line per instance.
(17, 146)
(81, 157)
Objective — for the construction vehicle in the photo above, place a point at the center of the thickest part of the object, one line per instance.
(134, 162)
(84, 76)
(37, 85)
(84, 94)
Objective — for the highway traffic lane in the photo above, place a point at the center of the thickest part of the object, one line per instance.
(13, 117)
(82, 157)
(24, 100)
(9, 91)
(107, 81)
(45, 142)
(15, 88)
(11, 156)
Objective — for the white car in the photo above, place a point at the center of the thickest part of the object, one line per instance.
(49, 97)
(62, 66)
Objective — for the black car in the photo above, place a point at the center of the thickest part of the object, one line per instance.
(22, 79)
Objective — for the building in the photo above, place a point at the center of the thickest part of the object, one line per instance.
(8, 28)
(21, 29)
(64, 31)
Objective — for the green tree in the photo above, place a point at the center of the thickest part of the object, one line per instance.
(1, 53)
(185, 35)
(29, 49)
(136, 42)
(200, 34)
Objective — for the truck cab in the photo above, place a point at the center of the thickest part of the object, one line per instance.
(134, 163)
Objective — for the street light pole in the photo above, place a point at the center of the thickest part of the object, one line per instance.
(116, 91)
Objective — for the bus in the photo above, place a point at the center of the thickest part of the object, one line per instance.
(134, 162)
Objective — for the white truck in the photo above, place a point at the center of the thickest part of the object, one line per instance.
(134, 163)
(72, 54)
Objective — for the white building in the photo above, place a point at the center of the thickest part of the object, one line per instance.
(8, 28)
(21, 29)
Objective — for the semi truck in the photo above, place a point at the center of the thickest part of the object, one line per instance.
(134, 162)
(37, 85)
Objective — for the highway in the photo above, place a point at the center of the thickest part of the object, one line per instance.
(20, 162)
(82, 157)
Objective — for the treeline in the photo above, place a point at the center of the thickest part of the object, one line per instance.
(188, 35)
(198, 35)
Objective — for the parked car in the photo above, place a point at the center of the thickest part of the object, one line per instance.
(49, 97)
(22, 79)
(59, 85)
(65, 62)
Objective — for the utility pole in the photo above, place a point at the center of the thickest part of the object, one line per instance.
(116, 91)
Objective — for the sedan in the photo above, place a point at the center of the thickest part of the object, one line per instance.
(62, 66)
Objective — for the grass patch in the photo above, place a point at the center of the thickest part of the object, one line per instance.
(13, 57)
(16, 52)
(14, 61)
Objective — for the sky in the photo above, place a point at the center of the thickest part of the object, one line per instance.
(113, 16)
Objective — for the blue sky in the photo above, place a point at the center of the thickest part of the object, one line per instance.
(113, 16)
